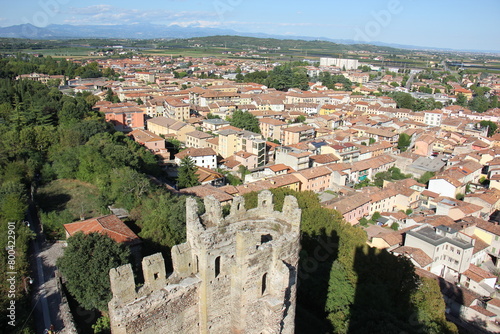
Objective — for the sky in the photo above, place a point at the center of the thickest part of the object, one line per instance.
(455, 24)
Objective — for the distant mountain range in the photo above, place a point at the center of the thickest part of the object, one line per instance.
(152, 31)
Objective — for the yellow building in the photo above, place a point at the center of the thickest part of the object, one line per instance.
(327, 109)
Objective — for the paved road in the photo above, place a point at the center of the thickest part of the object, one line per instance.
(46, 295)
(410, 81)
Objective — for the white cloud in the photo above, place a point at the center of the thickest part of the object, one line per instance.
(106, 14)
(90, 10)
(197, 24)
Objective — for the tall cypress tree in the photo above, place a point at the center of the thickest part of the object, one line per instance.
(186, 177)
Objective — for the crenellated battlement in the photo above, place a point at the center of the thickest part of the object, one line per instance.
(229, 268)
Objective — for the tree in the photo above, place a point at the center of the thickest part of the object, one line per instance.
(479, 103)
(186, 174)
(424, 179)
(111, 97)
(212, 116)
(102, 326)
(127, 186)
(341, 292)
(430, 308)
(162, 219)
(392, 173)
(461, 100)
(404, 142)
(86, 263)
(245, 120)
(243, 170)
(492, 127)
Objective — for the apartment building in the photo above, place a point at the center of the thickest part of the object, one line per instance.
(450, 250)
(232, 140)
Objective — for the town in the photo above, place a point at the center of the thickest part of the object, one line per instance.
(408, 155)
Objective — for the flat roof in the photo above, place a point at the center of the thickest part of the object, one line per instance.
(429, 235)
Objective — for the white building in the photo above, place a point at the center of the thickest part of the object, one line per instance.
(450, 250)
(433, 118)
(202, 157)
(349, 64)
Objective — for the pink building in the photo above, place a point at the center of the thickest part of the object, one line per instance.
(249, 160)
(124, 116)
(151, 141)
(424, 145)
(353, 207)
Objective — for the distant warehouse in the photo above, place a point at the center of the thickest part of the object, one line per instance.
(348, 64)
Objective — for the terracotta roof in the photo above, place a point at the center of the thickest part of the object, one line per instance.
(198, 134)
(348, 203)
(483, 311)
(479, 245)
(207, 174)
(244, 154)
(394, 238)
(280, 167)
(166, 122)
(495, 302)
(437, 220)
(491, 196)
(312, 173)
(489, 227)
(299, 128)
(477, 274)
(272, 121)
(429, 193)
(416, 254)
(144, 136)
(213, 141)
(206, 190)
(195, 152)
(282, 180)
(109, 225)
(324, 158)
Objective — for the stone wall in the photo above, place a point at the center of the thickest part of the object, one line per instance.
(233, 275)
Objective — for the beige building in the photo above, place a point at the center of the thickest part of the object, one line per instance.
(169, 127)
(232, 140)
(272, 128)
(296, 134)
(176, 109)
(197, 139)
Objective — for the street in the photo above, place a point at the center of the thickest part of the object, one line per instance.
(46, 292)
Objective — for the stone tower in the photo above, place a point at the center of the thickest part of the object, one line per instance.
(233, 275)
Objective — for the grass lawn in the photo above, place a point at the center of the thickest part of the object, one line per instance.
(64, 201)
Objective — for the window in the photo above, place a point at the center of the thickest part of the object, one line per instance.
(458, 252)
(264, 283)
(217, 266)
(265, 238)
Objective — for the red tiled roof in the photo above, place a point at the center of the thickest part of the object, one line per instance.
(477, 274)
(109, 225)
(483, 311)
